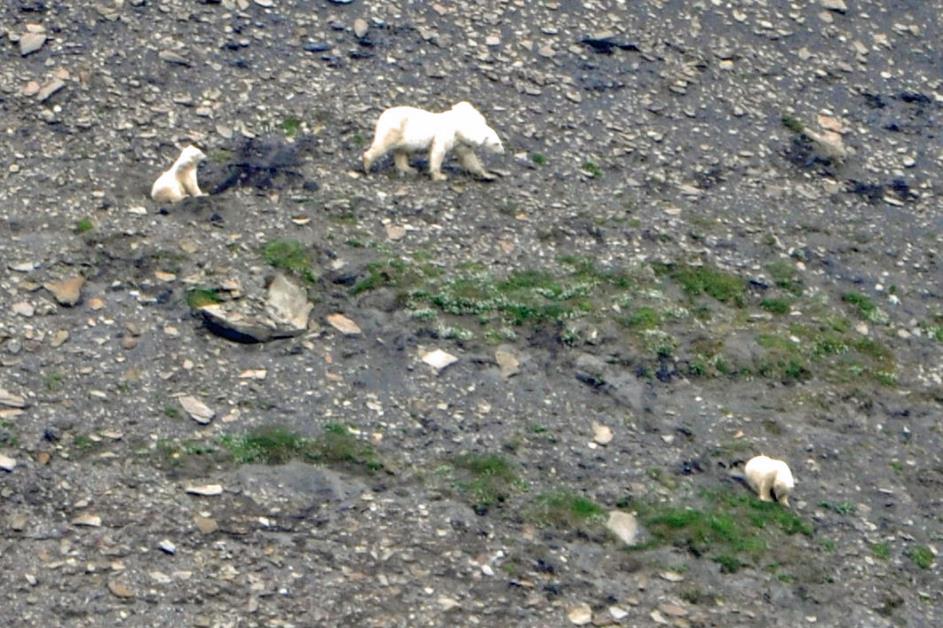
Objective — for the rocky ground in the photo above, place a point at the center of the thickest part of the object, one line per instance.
(716, 232)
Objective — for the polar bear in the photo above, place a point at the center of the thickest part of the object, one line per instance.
(180, 181)
(407, 129)
(763, 474)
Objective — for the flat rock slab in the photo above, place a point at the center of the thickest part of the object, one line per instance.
(31, 42)
(285, 315)
(624, 525)
(297, 486)
(198, 411)
(439, 359)
(10, 400)
(67, 292)
(344, 325)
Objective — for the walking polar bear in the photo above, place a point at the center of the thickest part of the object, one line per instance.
(176, 184)
(765, 474)
(407, 129)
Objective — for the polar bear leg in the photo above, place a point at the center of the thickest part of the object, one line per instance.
(382, 143)
(436, 157)
(190, 182)
(401, 159)
(470, 163)
(765, 485)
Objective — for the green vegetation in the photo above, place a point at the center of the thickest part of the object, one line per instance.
(843, 508)
(538, 159)
(565, 509)
(290, 126)
(786, 276)
(84, 225)
(733, 529)
(487, 479)
(8, 437)
(698, 280)
(291, 256)
(827, 348)
(53, 381)
(792, 123)
(881, 550)
(172, 412)
(776, 306)
(821, 344)
(592, 169)
(865, 307)
(643, 318)
(921, 555)
(278, 445)
(198, 297)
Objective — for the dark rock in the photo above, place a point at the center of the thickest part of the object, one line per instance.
(605, 45)
(317, 46)
(622, 386)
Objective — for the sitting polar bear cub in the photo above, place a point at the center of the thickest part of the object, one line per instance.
(763, 473)
(407, 129)
(180, 181)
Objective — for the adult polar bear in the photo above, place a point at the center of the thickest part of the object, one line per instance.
(407, 129)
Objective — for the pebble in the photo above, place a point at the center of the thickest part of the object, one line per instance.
(834, 5)
(24, 309)
(507, 361)
(198, 411)
(624, 525)
(120, 589)
(206, 525)
(602, 434)
(48, 89)
(10, 400)
(87, 520)
(68, 291)
(206, 490)
(361, 28)
(439, 359)
(31, 42)
(580, 615)
(7, 463)
(344, 325)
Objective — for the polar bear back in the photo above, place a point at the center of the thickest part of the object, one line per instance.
(416, 127)
(763, 469)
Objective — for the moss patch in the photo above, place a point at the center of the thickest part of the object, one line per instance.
(732, 529)
(565, 509)
(290, 256)
(278, 445)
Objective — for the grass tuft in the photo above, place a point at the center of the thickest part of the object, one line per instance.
(922, 556)
(488, 479)
(84, 226)
(735, 530)
(565, 509)
(278, 445)
(291, 256)
(198, 297)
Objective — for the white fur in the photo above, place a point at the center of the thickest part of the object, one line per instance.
(180, 181)
(764, 473)
(408, 129)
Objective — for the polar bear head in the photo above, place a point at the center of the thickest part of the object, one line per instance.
(189, 156)
(783, 485)
(472, 128)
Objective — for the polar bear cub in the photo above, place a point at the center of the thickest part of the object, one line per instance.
(407, 129)
(180, 181)
(764, 473)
